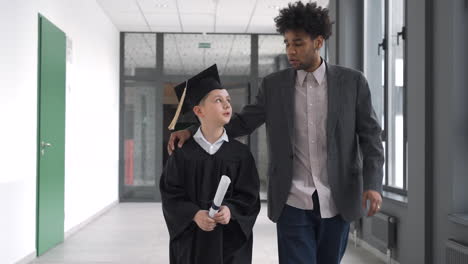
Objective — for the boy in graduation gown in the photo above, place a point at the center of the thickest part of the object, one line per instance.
(191, 176)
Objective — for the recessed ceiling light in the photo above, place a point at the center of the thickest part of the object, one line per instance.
(277, 7)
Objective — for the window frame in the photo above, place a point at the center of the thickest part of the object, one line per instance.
(386, 45)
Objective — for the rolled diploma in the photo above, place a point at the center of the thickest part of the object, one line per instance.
(219, 196)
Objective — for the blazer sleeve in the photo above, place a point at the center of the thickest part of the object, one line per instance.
(369, 133)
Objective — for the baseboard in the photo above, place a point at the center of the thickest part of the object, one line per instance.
(27, 259)
(356, 241)
(76, 228)
(32, 256)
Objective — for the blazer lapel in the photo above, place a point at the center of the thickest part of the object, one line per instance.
(289, 86)
(334, 99)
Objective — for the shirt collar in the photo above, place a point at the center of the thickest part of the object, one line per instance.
(199, 135)
(319, 74)
(301, 75)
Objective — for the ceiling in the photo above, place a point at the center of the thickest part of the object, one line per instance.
(182, 52)
(182, 55)
(195, 16)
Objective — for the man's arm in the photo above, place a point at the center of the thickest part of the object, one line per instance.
(251, 117)
(369, 132)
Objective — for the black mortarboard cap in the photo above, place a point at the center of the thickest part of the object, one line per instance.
(192, 91)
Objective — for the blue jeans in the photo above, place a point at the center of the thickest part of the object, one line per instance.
(305, 237)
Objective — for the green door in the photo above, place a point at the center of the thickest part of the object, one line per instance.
(51, 136)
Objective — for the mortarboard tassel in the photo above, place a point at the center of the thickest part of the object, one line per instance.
(179, 109)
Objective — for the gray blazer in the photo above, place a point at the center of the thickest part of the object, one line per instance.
(355, 151)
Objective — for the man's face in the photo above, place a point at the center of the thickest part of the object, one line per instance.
(303, 52)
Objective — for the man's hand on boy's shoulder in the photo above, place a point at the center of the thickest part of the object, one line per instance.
(204, 221)
(179, 137)
(223, 216)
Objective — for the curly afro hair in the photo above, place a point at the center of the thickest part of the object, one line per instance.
(311, 18)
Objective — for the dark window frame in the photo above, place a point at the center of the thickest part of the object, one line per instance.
(385, 40)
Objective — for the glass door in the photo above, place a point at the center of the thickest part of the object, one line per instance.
(140, 158)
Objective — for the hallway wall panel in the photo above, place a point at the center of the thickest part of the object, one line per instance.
(91, 166)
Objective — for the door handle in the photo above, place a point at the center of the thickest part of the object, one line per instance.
(43, 146)
(401, 34)
(382, 45)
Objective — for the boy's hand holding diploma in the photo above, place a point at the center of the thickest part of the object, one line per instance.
(204, 221)
(223, 216)
(218, 213)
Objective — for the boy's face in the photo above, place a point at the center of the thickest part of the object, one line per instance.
(215, 109)
(303, 52)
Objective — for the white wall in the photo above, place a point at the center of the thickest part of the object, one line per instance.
(91, 171)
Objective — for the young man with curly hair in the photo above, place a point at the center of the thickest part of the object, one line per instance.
(326, 154)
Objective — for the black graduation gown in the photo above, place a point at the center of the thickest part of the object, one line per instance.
(188, 184)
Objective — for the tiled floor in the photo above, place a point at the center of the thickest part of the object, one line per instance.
(135, 233)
